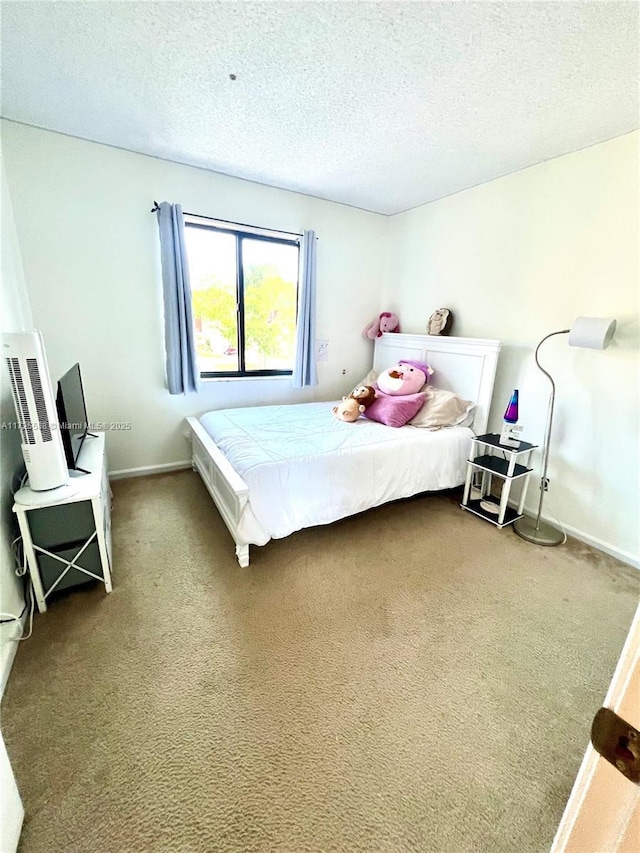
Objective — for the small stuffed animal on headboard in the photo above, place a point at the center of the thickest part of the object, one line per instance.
(386, 322)
(440, 322)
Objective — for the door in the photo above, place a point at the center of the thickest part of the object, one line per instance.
(11, 811)
(603, 811)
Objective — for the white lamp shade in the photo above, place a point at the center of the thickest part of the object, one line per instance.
(592, 332)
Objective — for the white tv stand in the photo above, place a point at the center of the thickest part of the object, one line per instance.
(68, 541)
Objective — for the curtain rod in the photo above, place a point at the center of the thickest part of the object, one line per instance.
(156, 207)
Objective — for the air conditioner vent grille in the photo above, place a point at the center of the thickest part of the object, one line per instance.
(38, 396)
(20, 399)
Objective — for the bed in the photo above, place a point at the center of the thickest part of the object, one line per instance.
(272, 470)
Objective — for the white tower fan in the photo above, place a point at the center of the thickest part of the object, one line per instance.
(37, 420)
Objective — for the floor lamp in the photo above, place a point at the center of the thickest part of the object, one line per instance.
(591, 332)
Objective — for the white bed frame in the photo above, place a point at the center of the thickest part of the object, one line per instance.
(464, 365)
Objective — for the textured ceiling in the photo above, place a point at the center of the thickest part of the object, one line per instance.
(382, 106)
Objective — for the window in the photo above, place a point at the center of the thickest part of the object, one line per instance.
(244, 284)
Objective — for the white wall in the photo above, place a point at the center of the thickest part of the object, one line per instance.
(520, 257)
(16, 316)
(91, 260)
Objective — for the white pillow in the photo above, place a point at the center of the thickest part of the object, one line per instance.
(442, 409)
(369, 379)
(468, 421)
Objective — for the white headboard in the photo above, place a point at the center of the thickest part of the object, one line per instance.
(464, 365)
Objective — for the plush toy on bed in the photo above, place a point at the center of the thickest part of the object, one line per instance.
(407, 377)
(386, 322)
(364, 394)
(348, 410)
(398, 393)
(355, 404)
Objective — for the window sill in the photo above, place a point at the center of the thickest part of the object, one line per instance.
(245, 378)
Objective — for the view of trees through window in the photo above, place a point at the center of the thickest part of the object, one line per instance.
(244, 318)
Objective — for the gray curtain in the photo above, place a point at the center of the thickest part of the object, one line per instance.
(304, 370)
(182, 367)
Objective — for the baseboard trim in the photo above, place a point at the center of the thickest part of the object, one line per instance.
(624, 556)
(8, 653)
(618, 553)
(165, 468)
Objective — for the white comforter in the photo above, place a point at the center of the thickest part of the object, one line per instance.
(304, 467)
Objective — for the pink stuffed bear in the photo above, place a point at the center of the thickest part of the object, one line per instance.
(386, 322)
(407, 377)
(398, 394)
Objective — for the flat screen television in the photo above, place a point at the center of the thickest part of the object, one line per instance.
(72, 415)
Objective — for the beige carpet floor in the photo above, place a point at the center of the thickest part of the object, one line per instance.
(411, 679)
